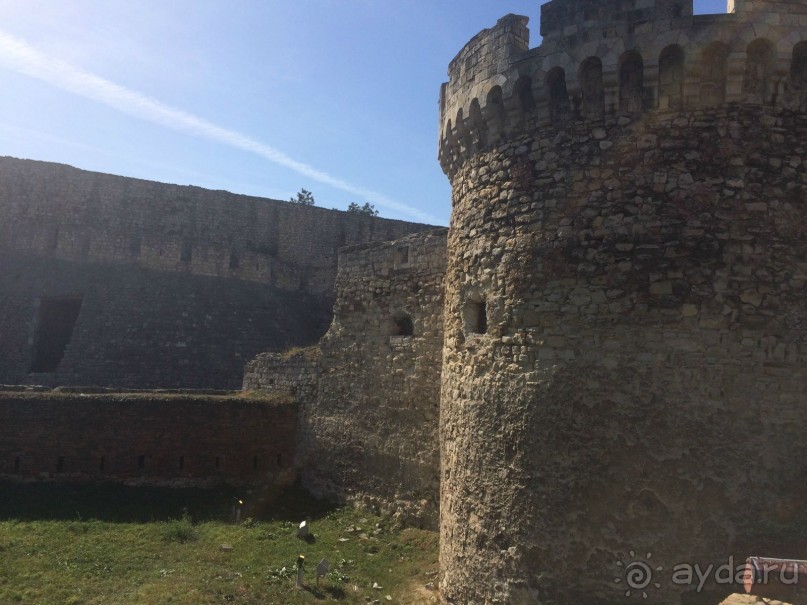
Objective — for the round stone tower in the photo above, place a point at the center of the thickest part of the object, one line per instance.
(624, 383)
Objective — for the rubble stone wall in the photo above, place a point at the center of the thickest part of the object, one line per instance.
(146, 438)
(175, 286)
(625, 357)
(60, 212)
(140, 328)
(295, 372)
(370, 436)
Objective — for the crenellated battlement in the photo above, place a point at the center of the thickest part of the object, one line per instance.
(562, 18)
(602, 61)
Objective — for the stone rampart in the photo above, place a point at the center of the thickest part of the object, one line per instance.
(370, 435)
(147, 438)
(139, 328)
(294, 373)
(114, 281)
(56, 211)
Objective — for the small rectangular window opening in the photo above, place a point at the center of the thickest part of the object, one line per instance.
(475, 317)
(402, 256)
(60, 464)
(181, 462)
(482, 318)
(254, 463)
(102, 464)
(234, 260)
(218, 462)
(17, 464)
(280, 459)
(141, 461)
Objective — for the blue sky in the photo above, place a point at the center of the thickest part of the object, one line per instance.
(261, 97)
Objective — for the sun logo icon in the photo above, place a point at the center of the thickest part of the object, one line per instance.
(637, 574)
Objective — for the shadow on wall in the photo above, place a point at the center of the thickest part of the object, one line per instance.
(123, 504)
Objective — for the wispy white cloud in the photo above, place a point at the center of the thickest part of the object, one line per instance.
(18, 56)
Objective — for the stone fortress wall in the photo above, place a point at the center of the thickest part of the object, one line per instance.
(624, 366)
(294, 372)
(612, 332)
(178, 440)
(160, 285)
(60, 212)
(369, 394)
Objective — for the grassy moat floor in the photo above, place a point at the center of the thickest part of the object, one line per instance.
(108, 544)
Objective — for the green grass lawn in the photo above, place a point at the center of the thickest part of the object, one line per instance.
(107, 545)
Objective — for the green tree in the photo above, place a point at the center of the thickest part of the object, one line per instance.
(366, 209)
(304, 197)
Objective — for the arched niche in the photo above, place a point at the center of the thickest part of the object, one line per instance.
(631, 82)
(448, 142)
(523, 92)
(759, 66)
(558, 96)
(479, 130)
(592, 106)
(798, 75)
(671, 78)
(714, 69)
(463, 135)
(494, 113)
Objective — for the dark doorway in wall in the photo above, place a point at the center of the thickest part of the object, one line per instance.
(55, 322)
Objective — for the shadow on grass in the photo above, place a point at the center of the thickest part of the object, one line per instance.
(323, 592)
(124, 504)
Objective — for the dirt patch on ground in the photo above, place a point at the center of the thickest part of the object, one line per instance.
(423, 596)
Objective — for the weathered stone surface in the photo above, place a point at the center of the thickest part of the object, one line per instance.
(636, 386)
(369, 395)
(141, 328)
(179, 286)
(147, 438)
